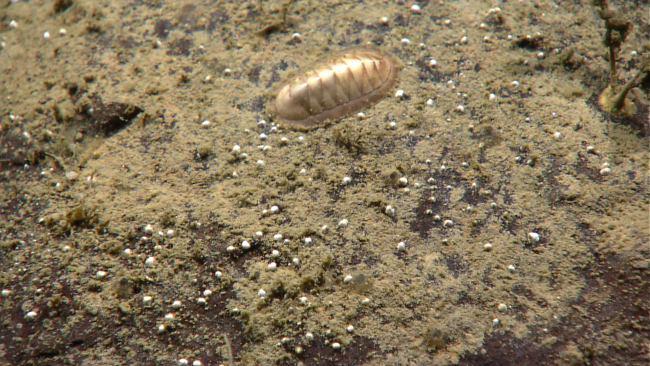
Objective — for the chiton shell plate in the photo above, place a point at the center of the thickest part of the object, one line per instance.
(355, 79)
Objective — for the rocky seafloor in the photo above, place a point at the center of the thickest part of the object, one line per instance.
(124, 202)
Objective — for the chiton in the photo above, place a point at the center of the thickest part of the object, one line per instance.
(357, 78)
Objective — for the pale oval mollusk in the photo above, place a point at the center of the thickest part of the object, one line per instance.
(358, 78)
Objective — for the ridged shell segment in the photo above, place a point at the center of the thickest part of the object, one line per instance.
(358, 78)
